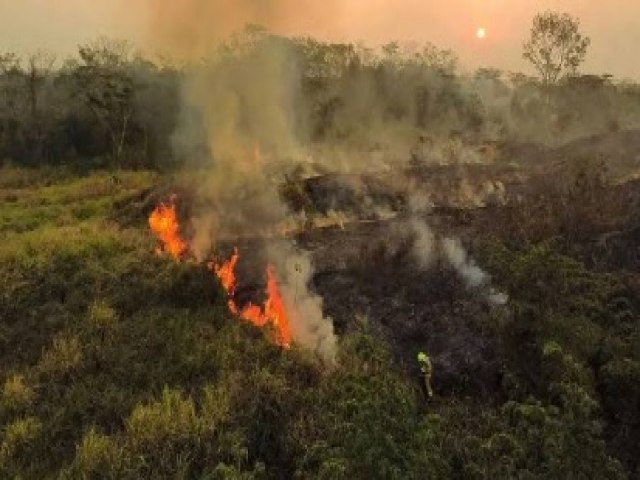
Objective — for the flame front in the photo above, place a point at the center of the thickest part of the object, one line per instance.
(275, 311)
(227, 273)
(164, 224)
(272, 313)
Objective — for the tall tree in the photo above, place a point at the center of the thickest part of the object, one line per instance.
(39, 67)
(556, 46)
(107, 88)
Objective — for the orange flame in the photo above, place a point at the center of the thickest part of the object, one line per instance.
(226, 273)
(273, 312)
(164, 224)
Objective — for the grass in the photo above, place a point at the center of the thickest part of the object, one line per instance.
(117, 363)
(28, 203)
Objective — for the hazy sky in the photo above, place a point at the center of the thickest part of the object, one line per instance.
(59, 25)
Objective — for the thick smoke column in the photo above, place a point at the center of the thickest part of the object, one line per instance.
(240, 102)
(241, 107)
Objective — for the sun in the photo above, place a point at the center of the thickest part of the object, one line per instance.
(481, 33)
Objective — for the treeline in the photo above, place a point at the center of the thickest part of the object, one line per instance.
(111, 105)
(105, 105)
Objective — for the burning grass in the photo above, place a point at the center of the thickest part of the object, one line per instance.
(165, 225)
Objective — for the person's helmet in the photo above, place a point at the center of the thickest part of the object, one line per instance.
(422, 357)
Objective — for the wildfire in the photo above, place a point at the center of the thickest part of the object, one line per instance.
(226, 273)
(272, 313)
(275, 311)
(164, 223)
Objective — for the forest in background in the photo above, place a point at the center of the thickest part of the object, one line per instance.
(110, 104)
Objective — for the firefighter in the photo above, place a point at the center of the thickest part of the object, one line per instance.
(424, 362)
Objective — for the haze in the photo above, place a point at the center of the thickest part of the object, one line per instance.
(60, 25)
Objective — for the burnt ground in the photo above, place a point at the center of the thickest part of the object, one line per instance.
(411, 308)
(366, 272)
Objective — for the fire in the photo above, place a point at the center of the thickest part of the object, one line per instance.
(275, 311)
(164, 223)
(226, 273)
(272, 313)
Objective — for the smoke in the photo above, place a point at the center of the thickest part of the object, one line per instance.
(241, 108)
(240, 121)
(424, 240)
(424, 243)
(251, 113)
(192, 29)
(473, 276)
(309, 326)
(426, 247)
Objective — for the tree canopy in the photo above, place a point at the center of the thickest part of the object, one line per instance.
(556, 47)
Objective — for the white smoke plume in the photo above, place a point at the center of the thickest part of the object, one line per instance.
(472, 274)
(455, 253)
(425, 250)
(309, 326)
(424, 245)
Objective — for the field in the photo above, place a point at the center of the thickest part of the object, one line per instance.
(120, 363)
(232, 266)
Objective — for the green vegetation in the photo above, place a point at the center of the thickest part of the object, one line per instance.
(110, 106)
(119, 364)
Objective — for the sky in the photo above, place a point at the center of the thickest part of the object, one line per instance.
(60, 25)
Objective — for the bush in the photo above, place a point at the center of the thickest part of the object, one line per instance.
(96, 457)
(17, 395)
(64, 355)
(17, 439)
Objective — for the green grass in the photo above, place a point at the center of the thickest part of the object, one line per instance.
(28, 204)
(116, 363)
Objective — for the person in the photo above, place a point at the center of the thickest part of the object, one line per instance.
(426, 368)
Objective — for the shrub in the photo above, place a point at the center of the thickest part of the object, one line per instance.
(102, 315)
(64, 355)
(173, 417)
(16, 440)
(16, 394)
(97, 456)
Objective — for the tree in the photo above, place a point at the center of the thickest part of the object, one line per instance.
(39, 67)
(107, 88)
(556, 46)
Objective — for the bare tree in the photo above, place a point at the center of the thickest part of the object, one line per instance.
(556, 46)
